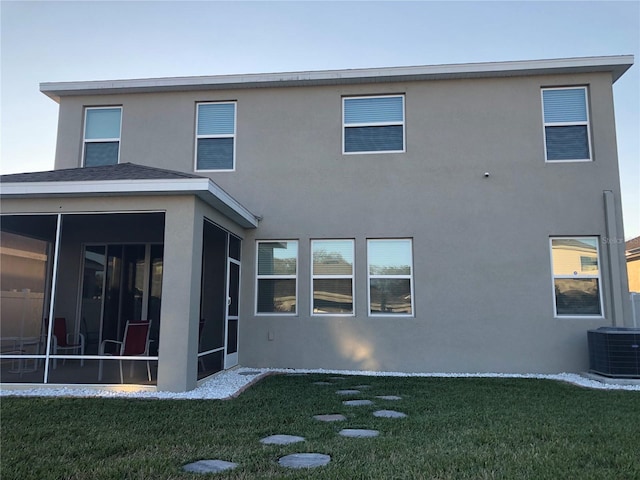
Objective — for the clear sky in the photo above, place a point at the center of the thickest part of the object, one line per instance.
(54, 41)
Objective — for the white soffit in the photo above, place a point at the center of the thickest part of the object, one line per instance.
(617, 65)
(203, 188)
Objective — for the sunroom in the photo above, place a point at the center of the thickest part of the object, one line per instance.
(120, 275)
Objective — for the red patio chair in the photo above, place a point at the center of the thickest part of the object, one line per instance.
(62, 340)
(135, 342)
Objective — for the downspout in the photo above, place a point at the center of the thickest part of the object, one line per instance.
(612, 244)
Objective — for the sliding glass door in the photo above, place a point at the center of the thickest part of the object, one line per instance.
(121, 283)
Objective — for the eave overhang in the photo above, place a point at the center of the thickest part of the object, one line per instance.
(616, 65)
(203, 188)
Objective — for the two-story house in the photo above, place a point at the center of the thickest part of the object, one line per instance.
(448, 218)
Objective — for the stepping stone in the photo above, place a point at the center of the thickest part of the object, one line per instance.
(389, 397)
(250, 372)
(304, 460)
(358, 433)
(357, 403)
(333, 417)
(389, 414)
(322, 383)
(348, 392)
(281, 439)
(209, 466)
(336, 378)
(362, 387)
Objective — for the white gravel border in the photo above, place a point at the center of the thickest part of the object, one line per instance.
(230, 383)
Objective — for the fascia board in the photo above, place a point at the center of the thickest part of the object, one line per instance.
(241, 215)
(617, 65)
(102, 187)
(204, 188)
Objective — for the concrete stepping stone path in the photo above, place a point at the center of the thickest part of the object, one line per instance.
(357, 403)
(322, 383)
(358, 433)
(362, 387)
(348, 392)
(389, 397)
(304, 460)
(209, 466)
(332, 417)
(336, 378)
(281, 439)
(388, 414)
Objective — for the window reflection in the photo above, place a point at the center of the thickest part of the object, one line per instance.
(390, 276)
(332, 276)
(277, 277)
(576, 276)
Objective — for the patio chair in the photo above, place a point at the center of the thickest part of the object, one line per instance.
(135, 342)
(62, 340)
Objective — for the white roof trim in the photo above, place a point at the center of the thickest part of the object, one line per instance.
(617, 65)
(203, 188)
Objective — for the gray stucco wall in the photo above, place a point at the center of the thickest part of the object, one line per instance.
(482, 273)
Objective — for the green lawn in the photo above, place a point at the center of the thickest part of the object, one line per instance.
(456, 428)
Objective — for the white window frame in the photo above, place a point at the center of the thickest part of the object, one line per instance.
(85, 140)
(598, 276)
(276, 277)
(226, 135)
(375, 124)
(329, 277)
(410, 277)
(586, 123)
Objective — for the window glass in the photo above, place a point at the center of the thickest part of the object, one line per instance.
(390, 296)
(390, 267)
(234, 247)
(102, 136)
(332, 271)
(277, 277)
(97, 154)
(102, 123)
(215, 136)
(215, 153)
(566, 124)
(575, 256)
(373, 124)
(389, 257)
(332, 257)
(216, 118)
(576, 276)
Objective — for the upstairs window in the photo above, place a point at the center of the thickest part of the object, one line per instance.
(102, 136)
(576, 276)
(216, 136)
(373, 124)
(566, 124)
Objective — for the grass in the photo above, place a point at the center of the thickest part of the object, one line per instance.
(464, 428)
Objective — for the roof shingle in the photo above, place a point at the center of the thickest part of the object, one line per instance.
(121, 171)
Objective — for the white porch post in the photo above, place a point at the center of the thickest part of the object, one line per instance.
(180, 310)
(52, 297)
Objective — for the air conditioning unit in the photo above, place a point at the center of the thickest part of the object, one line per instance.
(615, 351)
